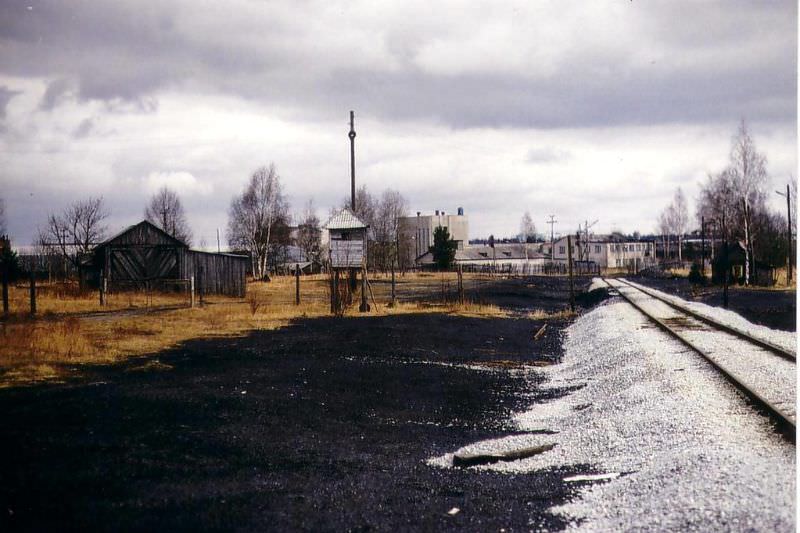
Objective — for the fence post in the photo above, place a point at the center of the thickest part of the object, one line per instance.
(191, 291)
(296, 284)
(571, 283)
(33, 290)
(5, 290)
(200, 276)
(364, 307)
(392, 304)
(333, 291)
(102, 288)
(460, 285)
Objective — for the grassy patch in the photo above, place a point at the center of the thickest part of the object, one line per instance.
(64, 336)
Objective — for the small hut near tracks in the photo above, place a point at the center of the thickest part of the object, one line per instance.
(145, 256)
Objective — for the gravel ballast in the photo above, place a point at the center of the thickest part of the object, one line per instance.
(672, 446)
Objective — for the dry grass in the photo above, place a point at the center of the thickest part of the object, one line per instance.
(53, 346)
(67, 298)
(541, 314)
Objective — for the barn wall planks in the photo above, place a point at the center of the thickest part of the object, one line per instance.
(221, 273)
(143, 253)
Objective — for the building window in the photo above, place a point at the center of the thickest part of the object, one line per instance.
(597, 248)
(561, 249)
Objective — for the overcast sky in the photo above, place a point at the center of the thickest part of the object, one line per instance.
(585, 110)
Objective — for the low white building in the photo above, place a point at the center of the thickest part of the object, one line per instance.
(511, 258)
(605, 251)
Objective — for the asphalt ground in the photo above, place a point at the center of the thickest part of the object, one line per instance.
(322, 425)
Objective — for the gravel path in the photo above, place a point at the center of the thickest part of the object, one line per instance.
(678, 447)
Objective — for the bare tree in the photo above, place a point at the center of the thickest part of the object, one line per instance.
(366, 206)
(386, 232)
(309, 233)
(738, 194)
(527, 229)
(679, 219)
(253, 215)
(748, 174)
(165, 210)
(76, 231)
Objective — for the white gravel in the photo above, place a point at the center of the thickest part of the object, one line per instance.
(691, 453)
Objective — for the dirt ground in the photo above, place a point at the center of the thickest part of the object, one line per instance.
(321, 425)
(773, 308)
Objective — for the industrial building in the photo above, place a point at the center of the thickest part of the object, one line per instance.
(417, 232)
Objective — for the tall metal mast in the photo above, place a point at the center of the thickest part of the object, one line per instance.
(352, 136)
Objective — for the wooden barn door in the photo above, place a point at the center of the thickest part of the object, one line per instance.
(144, 263)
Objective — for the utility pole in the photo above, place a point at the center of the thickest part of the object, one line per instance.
(352, 136)
(703, 245)
(218, 249)
(725, 262)
(788, 235)
(551, 222)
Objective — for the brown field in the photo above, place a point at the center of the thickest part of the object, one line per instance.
(71, 329)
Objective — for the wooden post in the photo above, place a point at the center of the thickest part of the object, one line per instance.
(200, 276)
(392, 304)
(726, 266)
(364, 307)
(460, 285)
(569, 266)
(102, 293)
(335, 304)
(33, 290)
(5, 290)
(789, 235)
(296, 284)
(191, 291)
(333, 291)
(703, 246)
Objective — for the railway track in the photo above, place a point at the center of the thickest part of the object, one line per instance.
(763, 371)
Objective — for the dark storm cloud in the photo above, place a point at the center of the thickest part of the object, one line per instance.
(115, 52)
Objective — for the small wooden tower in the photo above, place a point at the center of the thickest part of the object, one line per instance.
(347, 244)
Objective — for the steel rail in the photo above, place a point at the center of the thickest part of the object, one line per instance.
(784, 422)
(777, 350)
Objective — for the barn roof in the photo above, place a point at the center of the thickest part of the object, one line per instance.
(345, 219)
(142, 232)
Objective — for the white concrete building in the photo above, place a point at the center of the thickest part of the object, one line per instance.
(604, 250)
(417, 232)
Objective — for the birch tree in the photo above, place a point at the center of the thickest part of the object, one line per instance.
(527, 229)
(679, 219)
(253, 215)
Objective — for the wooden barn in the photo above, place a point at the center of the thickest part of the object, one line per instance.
(144, 255)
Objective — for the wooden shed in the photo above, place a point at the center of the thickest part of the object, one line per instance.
(144, 255)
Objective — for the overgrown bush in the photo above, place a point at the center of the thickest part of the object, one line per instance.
(696, 276)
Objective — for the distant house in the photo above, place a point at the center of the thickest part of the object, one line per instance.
(606, 251)
(512, 258)
(762, 274)
(143, 255)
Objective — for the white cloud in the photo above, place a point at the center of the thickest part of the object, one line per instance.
(181, 182)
